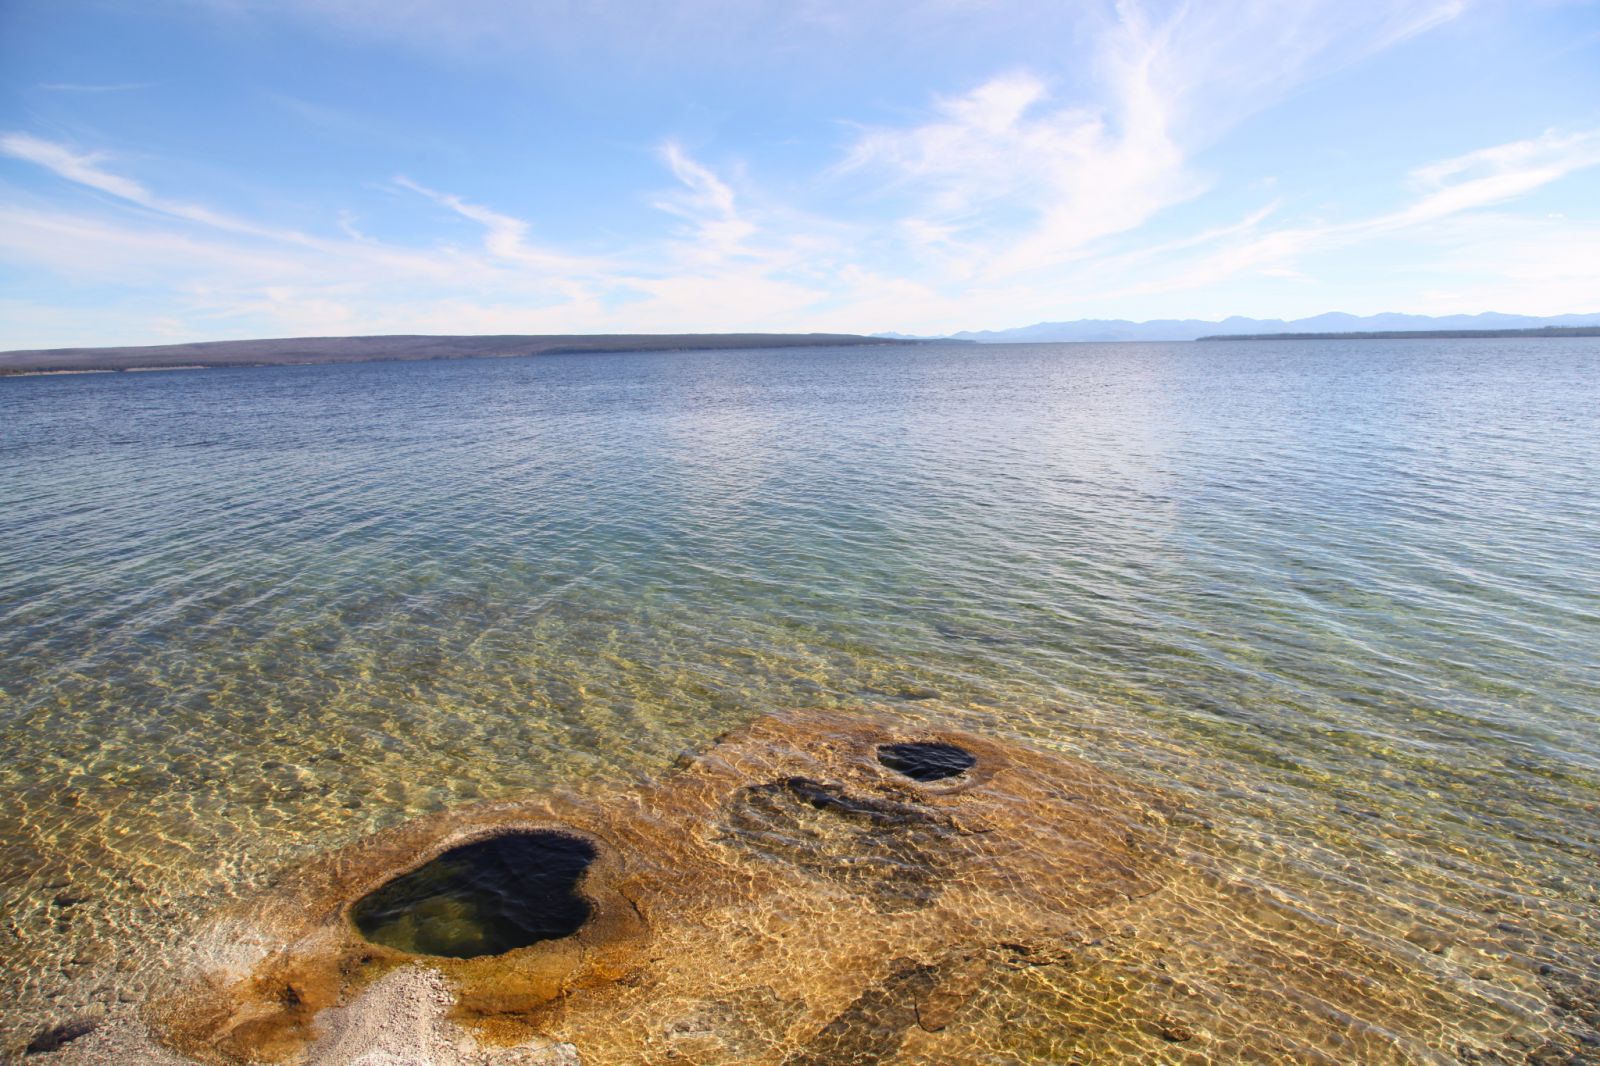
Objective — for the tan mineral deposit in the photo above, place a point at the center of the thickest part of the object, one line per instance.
(813, 889)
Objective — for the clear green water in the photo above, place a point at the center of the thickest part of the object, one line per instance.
(1344, 597)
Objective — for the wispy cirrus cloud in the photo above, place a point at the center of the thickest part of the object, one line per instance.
(505, 236)
(1023, 182)
(1495, 174)
(89, 169)
(1470, 182)
(717, 231)
(231, 275)
(192, 248)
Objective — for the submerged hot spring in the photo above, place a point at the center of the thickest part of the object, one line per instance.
(483, 898)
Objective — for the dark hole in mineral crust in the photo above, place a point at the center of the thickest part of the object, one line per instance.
(893, 851)
(926, 760)
(483, 898)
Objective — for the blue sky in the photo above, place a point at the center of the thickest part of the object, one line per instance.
(209, 169)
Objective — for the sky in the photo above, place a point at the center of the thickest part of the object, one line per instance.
(176, 170)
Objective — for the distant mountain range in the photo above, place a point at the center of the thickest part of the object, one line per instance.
(1188, 329)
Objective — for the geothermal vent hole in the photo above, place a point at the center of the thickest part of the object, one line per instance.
(482, 898)
(926, 760)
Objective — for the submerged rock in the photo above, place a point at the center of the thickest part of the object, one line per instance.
(56, 1037)
(793, 857)
(889, 851)
(812, 889)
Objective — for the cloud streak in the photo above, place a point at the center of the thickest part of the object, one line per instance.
(1019, 182)
(505, 237)
(717, 232)
(1463, 184)
(87, 169)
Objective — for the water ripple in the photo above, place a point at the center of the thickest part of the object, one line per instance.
(1343, 597)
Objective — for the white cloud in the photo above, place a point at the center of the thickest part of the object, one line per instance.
(504, 236)
(86, 169)
(351, 256)
(1026, 182)
(231, 277)
(1476, 180)
(1492, 175)
(718, 231)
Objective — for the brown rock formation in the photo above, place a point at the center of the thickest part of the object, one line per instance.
(784, 897)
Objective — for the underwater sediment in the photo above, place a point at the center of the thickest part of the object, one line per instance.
(816, 889)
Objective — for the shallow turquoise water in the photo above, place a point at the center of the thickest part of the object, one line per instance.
(1345, 596)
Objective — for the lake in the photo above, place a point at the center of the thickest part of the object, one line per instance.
(1342, 598)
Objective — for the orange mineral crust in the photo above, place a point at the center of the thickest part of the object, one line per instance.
(812, 889)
